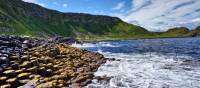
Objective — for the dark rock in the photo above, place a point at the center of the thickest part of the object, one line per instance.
(113, 59)
(54, 64)
(9, 73)
(23, 76)
(15, 66)
(5, 86)
(3, 80)
(60, 39)
(4, 61)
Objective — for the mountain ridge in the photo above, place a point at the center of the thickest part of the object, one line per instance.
(22, 18)
(31, 19)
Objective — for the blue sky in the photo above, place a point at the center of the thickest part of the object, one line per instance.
(155, 15)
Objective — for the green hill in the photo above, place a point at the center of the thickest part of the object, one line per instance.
(176, 32)
(22, 18)
(181, 32)
(195, 33)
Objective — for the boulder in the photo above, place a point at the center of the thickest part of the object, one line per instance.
(24, 81)
(4, 61)
(12, 81)
(15, 66)
(6, 86)
(3, 80)
(46, 85)
(23, 76)
(9, 73)
(26, 64)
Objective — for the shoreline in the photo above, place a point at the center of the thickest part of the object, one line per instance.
(91, 40)
(46, 64)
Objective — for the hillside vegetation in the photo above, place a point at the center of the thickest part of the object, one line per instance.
(22, 18)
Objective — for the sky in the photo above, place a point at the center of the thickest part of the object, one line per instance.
(154, 15)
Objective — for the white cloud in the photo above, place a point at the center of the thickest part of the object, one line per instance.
(31, 1)
(65, 5)
(41, 4)
(196, 20)
(35, 1)
(159, 15)
(119, 6)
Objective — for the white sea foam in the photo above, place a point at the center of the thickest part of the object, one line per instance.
(106, 44)
(88, 45)
(85, 45)
(148, 71)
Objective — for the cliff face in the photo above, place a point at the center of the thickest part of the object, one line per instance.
(31, 19)
(184, 32)
(177, 32)
(196, 32)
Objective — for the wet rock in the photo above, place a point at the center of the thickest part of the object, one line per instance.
(14, 57)
(5, 86)
(26, 64)
(186, 62)
(9, 73)
(23, 76)
(15, 66)
(24, 81)
(187, 68)
(4, 61)
(76, 85)
(113, 59)
(19, 71)
(46, 85)
(82, 78)
(59, 39)
(3, 80)
(33, 70)
(25, 58)
(1, 71)
(51, 64)
(102, 79)
(13, 81)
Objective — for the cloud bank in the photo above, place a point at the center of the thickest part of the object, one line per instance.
(31, 1)
(34, 1)
(154, 15)
(119, 6)
(160, 15)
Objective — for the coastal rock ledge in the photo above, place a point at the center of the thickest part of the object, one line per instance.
(49, 65)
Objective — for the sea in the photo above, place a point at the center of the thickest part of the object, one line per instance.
(148, 63)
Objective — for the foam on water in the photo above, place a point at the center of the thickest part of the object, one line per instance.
(155, 71)
(147, 70)
(85, 45)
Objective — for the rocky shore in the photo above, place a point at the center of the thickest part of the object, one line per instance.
(41, 63)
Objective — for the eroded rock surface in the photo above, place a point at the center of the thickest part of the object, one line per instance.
(47, 65)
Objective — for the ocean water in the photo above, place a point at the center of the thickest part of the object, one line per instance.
(148, 63)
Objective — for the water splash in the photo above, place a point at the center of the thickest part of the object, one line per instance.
(156, 67)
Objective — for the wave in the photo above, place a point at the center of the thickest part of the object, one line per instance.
(99, 44)
(84, 45)
(146, 70)
(157, 71)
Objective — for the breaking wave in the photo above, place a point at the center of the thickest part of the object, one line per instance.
(140, 68)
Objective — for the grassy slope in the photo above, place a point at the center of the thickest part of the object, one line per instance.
(33, 20)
